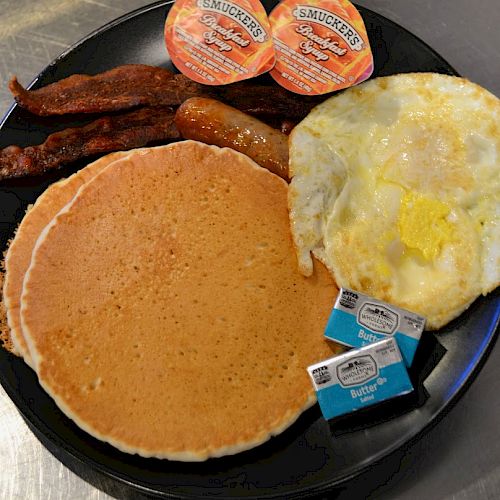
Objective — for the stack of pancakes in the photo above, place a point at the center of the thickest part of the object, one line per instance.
(156, 294)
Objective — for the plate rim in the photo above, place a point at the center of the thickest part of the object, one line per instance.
(40, 428)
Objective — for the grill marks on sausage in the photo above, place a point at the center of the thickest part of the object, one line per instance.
(104, 135)
(133, 85)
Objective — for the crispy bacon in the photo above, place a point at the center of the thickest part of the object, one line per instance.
(110, 133)
(139, 85)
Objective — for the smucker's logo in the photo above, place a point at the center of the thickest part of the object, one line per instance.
(378, 318)
(329, 20)
(238, 14)
(357, 370)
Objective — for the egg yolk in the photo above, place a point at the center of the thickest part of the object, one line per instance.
(423, 224)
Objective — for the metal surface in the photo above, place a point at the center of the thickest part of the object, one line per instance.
(460, 457)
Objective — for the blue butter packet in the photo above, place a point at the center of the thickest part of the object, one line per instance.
(358, 320)
(360, 378)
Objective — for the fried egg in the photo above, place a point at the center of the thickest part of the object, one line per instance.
(396, 189)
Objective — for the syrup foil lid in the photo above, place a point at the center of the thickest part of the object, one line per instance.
(321, 46)
(217, 42)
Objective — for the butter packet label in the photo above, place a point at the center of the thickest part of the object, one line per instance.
(217, 42)
(358, 320)
(321, 46)
(360, 378)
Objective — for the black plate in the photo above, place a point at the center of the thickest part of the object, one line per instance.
(313, 455)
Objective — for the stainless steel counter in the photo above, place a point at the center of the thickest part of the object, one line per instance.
(460, 457)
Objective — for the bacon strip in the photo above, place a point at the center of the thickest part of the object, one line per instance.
(139, 85)
(107, 134)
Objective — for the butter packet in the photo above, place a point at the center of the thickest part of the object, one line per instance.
(360, 378)
(358, 320)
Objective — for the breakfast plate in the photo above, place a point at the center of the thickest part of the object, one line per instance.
(311, 456)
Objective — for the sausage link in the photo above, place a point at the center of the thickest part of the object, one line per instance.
(212, 122)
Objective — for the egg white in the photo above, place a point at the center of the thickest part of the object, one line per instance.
(396, 189)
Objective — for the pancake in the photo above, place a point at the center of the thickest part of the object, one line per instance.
(18, 256)
(164, 310)
(5, 338)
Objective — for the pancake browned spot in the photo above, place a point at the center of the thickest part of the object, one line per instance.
(164, 310)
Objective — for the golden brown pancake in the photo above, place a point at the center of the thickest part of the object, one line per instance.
(18, 256)
(5, 337)
(164, 310)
